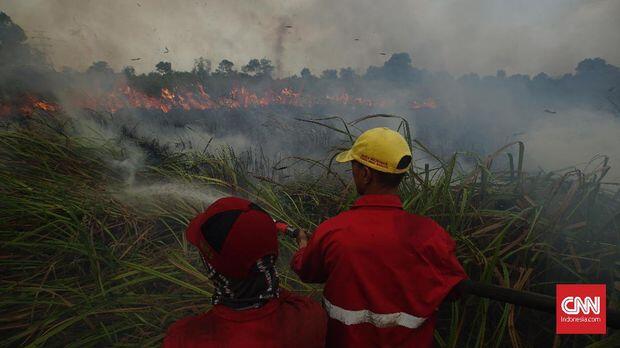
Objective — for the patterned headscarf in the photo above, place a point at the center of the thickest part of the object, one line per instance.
(253, 291)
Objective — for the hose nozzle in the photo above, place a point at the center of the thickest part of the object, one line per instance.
(286, 229)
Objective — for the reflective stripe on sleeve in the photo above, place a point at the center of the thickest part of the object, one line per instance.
(348, 317)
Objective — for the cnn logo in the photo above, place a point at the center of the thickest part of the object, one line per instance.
(581, 309)
(576, 305)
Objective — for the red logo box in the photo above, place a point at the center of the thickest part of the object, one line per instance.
(580, 309)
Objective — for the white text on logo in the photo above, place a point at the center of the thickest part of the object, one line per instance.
(574, 305)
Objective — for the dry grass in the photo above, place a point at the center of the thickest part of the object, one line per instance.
(84, 264)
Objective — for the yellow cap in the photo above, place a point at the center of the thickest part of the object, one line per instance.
(381, 149)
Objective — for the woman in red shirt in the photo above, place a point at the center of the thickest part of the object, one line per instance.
(239, 245)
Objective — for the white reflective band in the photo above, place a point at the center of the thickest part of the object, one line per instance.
(365, 316)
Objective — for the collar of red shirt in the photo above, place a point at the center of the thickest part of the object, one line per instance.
(254, 313)
(386, 201)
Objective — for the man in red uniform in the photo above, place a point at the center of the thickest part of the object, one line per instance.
(239, 245)
(385, 271)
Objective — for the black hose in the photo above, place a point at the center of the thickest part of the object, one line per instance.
(533, 300)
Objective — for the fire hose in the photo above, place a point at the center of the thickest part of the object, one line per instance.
(528, 299)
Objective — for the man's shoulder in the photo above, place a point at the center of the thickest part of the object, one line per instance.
(422, 229)
(427, 234)
(302, 320)
(347, 217)
(334, 223)
(295, 302)
(189, 324)
(299, 319)
(424, 223)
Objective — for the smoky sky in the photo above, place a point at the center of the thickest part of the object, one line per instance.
(479, 36)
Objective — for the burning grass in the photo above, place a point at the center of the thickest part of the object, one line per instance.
(124, 96)
(90, 260)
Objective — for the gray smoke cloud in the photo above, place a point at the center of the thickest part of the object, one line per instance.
(457, 36)
(573, 140)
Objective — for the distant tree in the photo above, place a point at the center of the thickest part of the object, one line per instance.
(129, 71)
(329, 74)
(470, 78)
(397, 68)
(100, 67)
(541, 77)
(566, 78)
(374, 72)
(202, 66)
(347, 73)
(520, 78)
(591, 64)
(305, 73)
(164, 67)
(501, 74)
(252, 68)
(101, 74)
(11, 34)
(225, 67)
(596, 65)
(542, 81)
(14, 51)
(260, 68)
(398, 62)
(266, 68)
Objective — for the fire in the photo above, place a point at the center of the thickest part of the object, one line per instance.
(196, 98)
(199, 99)
(27, 106)
(5, 110)
(429, 103)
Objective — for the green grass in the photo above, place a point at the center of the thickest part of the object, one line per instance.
(87, 261)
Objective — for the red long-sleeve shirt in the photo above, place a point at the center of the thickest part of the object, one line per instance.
(385, 272)
(288, 321)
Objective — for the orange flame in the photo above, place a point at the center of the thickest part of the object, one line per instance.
(124, 96)
(197, 99)
(5, 110)
(429, 103)
(27, 106)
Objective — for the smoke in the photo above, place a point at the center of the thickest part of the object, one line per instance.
(567, 140)
(456, 36)
(479, 36)
(278, 48)
(130, 165)
(148, 194)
